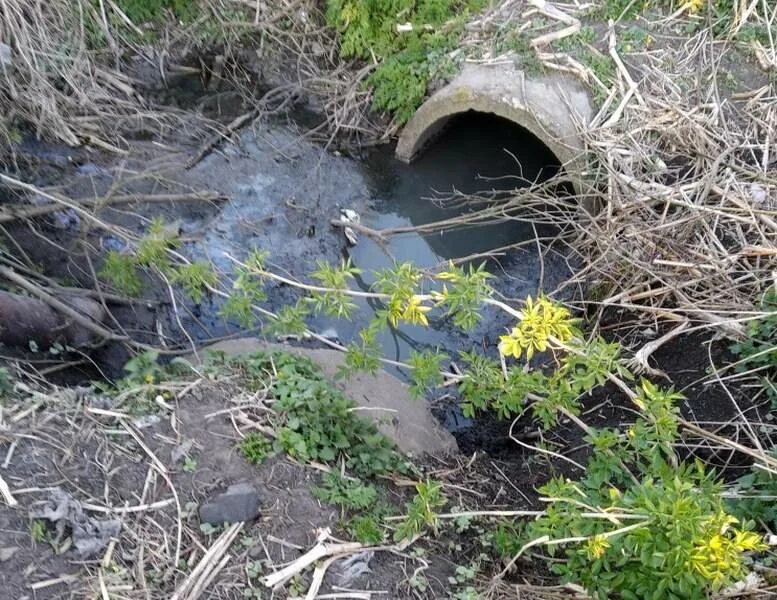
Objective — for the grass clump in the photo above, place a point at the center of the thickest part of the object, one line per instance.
(411, 39)
(256, 448)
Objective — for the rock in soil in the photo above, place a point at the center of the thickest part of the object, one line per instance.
(239, 503)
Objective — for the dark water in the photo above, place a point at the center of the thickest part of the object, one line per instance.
(284, 192)
(476, 153)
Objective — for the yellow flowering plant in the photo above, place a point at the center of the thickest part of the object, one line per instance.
(639, 523)
(540, 322)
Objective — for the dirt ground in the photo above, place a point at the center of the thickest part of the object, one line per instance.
(154, 471)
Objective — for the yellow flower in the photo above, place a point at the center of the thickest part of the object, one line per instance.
(415, 312)
(509, 346)
(695, 6)
(539, 321)
(451, 275)
(149, 378)
(597, 546)
(718, 558)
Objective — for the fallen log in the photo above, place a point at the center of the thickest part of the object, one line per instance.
(24, 319)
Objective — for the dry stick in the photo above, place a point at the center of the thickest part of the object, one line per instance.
(5, 491)
(573, 24)
(11, 214)
(639, 361)
(207, 565)
(317, 552)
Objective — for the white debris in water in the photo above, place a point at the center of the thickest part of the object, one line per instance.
(348, 215)
(330, 333)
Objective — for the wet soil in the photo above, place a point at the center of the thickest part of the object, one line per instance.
(95, 458)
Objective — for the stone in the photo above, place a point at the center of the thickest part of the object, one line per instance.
(7, 553)
(398, 416)
(550, 106)
(241, 502)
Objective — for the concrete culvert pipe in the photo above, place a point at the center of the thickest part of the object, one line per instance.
(552, 107)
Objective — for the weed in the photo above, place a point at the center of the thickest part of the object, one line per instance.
(366, 529)
(256, 448)
(421, 512)
(190, 464)
(349, 494)
(38, 531)
(195, 278)
(208, 529)
(759, 349)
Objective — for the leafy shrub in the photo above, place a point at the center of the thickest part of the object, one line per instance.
(639, 526)
(408, 59)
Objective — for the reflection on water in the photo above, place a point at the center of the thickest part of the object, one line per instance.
(476, 153)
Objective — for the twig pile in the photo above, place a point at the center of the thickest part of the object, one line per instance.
(687, 181)
(51, 78)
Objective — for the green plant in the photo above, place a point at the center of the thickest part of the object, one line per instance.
(753, 499)
(349, 494)
(152, 252)
(38, 530)
(759, 348)
(410, 39)
(425, 371)
(256, 448)
(141, 12)
(421, 511)
(194, 278)
(314, 420)
(152, 249)
(141, 370)
(121, 270)
(366, 529)
(638, 526)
